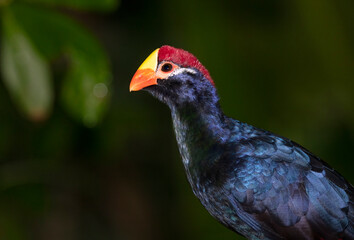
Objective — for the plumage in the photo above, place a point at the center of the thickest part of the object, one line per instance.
(256, 183)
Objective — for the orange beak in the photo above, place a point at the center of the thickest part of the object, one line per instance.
(146, 74)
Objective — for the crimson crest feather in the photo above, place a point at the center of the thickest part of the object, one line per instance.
(182, 58)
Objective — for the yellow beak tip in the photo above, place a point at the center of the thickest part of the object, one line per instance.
(145, 75)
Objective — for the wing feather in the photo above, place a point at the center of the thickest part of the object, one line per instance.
(279, 185)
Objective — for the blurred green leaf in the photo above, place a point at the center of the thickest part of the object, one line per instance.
(96, 5)
(85, 88)
(12, 228)
(30, 196)
(25, 72)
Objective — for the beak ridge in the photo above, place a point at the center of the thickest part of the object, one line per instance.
(145, 75)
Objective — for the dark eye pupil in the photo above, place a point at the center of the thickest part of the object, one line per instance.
(166, 67)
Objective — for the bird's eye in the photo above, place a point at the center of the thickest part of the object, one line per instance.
(166, 67)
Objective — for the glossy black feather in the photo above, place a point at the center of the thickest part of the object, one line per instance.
(256, 183)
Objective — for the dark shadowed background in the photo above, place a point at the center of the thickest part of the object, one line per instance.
(82, 158)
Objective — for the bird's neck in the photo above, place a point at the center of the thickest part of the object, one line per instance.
(201, 131)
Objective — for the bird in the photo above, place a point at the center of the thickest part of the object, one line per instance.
(256, 183)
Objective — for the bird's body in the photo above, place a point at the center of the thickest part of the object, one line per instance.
(258, 184)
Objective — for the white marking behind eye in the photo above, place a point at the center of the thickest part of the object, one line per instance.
(182, 70)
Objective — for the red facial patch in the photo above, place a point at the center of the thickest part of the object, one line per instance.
(182, 58)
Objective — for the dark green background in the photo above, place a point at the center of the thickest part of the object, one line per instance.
(285, 66)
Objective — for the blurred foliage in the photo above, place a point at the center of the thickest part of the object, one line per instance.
(95, 5)
(26, 73)
(34, 36)
(285, 66)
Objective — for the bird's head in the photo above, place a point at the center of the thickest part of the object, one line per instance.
(175, 77)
